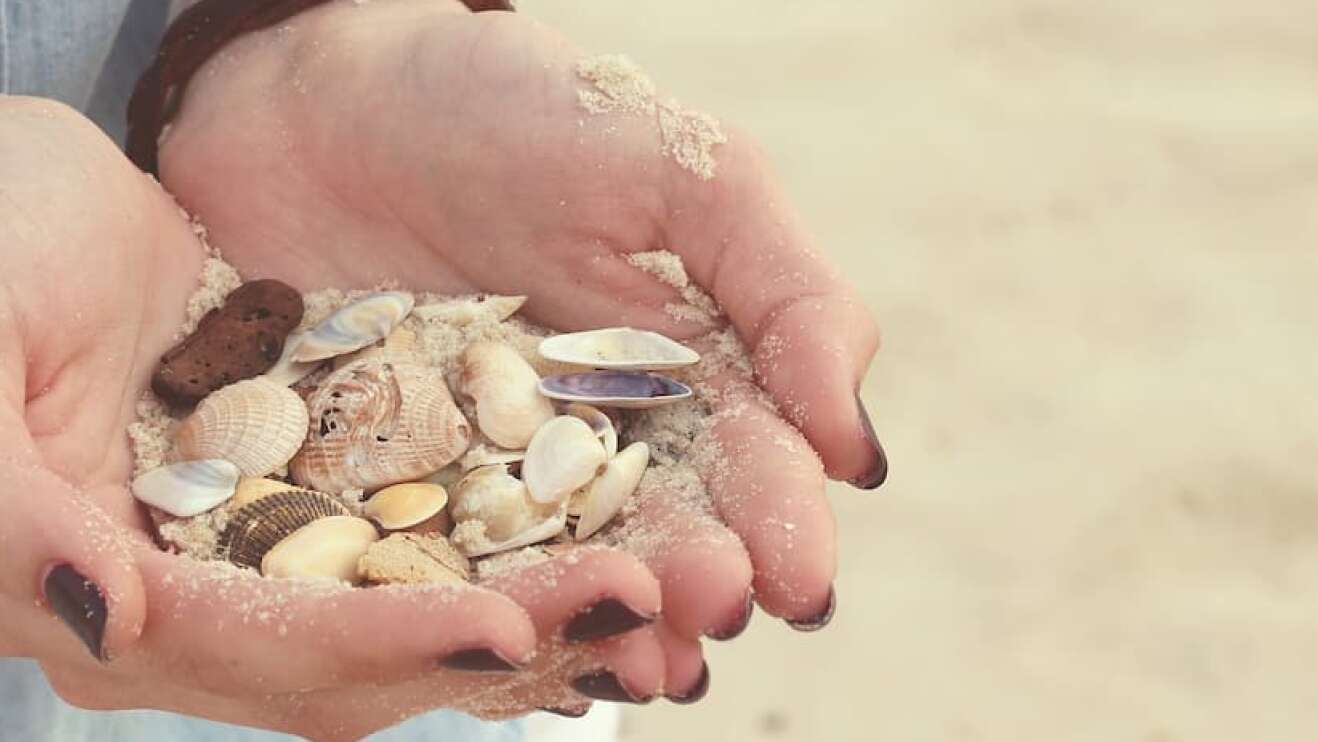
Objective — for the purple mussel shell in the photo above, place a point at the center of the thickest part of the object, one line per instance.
(625, 389)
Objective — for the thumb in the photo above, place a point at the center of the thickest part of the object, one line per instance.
(66, 556)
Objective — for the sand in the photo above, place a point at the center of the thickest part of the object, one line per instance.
(1088, 232)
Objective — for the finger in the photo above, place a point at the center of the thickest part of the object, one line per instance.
(258, 635)
(809, 334)
(686, 677)
(768, 486)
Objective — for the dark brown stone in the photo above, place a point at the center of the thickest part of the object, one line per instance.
(239, 340)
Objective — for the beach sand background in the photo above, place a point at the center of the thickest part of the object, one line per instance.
(1088, 230)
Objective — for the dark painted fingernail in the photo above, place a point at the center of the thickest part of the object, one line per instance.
(569, 713)
(878, 472)
(609, 617)
(80, 604)
(479, 660)
(820, 620)
(697, 691)
(605, 686)
(738, 624)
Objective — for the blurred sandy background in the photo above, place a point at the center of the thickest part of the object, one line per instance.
(1090, 231)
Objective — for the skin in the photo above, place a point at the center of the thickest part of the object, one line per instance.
(449, 149)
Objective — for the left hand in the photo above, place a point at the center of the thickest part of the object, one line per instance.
(413, 140)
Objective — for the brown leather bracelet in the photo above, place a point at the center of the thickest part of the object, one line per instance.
(194, 37)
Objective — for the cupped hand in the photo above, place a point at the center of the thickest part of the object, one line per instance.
(412, 140)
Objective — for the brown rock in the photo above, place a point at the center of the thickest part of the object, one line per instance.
(237, 341)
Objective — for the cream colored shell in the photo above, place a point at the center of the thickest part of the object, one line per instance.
(564, 455)
(256, 425)
(493, 511)
(509, 406)
(377, 423)
(402, 506)
(605, 496)
(326, 548)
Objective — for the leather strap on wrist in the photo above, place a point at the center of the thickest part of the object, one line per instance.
(193, 38)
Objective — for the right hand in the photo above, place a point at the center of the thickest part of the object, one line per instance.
(96, 265)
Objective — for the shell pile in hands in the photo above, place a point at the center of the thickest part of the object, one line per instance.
(348, 458)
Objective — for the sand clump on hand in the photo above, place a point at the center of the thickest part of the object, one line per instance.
(617, 85)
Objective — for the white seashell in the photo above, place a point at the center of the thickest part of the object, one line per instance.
(255, 424)
(495, 508)
(466, 310)
(286, 371)
(618, 348)
(483, 455)
(563, 456)
(599, 422)
(326, 548)
(377, 423)
(541, 531)
(188, 488)
(606, 495)
(509, 406)
(403, 506)
(355, 326)
(251, 489)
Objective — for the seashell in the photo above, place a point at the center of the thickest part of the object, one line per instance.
(619, 349)
(483, 455)
(286, 371)
(509, 406)
(403, 506)
(325, 548)
(251, 489)
(255, 424)
(563, 456)
(188, 488)
(398, 347)
(623, 389)
(408, 558)
(355, 326)
(610, 490)
(599, 422)
(499, 502)
(464, 311)
(471, 537)
(255, 529)
(377, 423)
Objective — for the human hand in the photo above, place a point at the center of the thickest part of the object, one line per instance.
(410, 139)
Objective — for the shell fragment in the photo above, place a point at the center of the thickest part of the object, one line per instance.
(464, 311)
(357, 325)
(188, 488)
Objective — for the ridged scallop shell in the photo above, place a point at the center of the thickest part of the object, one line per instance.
(605, 496)
(632, 390)
(355, 326)
(563, 456)
(377, 423)
(327, 548)
(509, 406)
(251, 489)
(464, 311)
(188, 488)
(255, 529)
(256, 424)
(618, 348)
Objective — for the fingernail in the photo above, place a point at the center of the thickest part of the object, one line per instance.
(821, 619)
(605, 686)
(737, 625)
(697, 691)
(569, 713)
(879, 469)
(479, 660)
(609, 617)
(80, 604)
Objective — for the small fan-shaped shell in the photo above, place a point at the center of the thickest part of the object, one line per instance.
(622, 389)
(255, 424)
(563, 456)
(328, 548)
(619, 348)
(405, 505)
(251, 489)
(509, 406)
(599, 422)
(188, 488)
(356, 325)
(377, 423)
(254, 530)
(606, 495)
(464, 311)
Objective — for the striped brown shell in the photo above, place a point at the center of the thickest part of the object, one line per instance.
(254, 530)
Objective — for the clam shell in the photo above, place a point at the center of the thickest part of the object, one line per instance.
(474, 544)
(255, 529)
(328, 548)
(599, 422)
(607, 494)
(255, 424)
(618, 348)
(377, 423)
(622, 389)
(355, 326)
(498, 501)
(405, 505)
(509, 406)
(251, 489)
(188, 488)
(465, 310)
(563, 456)
(286, 371)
